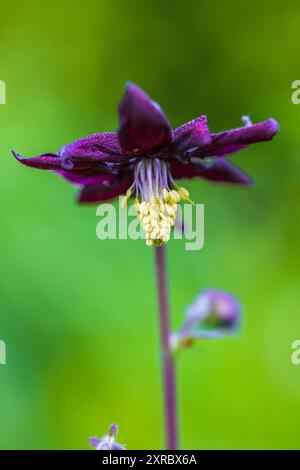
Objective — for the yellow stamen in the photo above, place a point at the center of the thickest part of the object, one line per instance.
(169, 209)
(124, 202)
(143, 208)
(157, 218)
(157, 211)
(147, 219)
(183, 193)
(165, 194)
(153, 213)
(174, 196)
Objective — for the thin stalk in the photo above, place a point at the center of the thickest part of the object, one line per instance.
(168, 367)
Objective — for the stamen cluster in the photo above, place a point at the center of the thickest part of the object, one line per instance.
(158, 216)
(156, 199)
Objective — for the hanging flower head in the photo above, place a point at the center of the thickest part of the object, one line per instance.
(145, 157)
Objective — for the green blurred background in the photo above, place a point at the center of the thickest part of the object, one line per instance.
(78, 315)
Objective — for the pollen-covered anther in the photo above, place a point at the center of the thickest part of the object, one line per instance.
(183, 193)
(174, 196)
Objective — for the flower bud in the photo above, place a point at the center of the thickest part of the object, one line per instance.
(215, 309)
(107, 442)
(213, 314)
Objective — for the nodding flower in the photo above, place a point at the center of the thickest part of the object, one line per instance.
(145, 157)
(213, 314)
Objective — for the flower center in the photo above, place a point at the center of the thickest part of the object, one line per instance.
(156, 199)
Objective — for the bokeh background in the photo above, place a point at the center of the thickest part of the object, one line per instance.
(78, 315)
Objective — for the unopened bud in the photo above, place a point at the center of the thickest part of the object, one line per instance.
(107, 442)
(215, 308)
(213, 314)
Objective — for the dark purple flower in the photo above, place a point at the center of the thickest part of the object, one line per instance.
(145, 156)
(213, 314)
(107, 442)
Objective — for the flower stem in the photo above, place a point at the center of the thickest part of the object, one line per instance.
(166, 353)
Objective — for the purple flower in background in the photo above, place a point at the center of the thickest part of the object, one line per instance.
(145, 157)
(213, 314)
(215, 308)
(107, 442)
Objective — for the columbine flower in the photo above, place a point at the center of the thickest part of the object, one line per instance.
(145, 157)
(107, 442)
(213, 314)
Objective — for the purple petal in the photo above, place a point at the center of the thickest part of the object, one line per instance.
(103, 147)
(221, 171)
(192, 134)
(94, 441)
(143, 125)
(87, 177)
(51, 161)
(47, 161)
(219, 151)
(116, 446)
(112, 431)
(234, 140)
(104, 192)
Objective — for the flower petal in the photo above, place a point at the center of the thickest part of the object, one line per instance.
(53, 161)
(103, 147)
(234, 140)
(87, 177)
(143, 125)
(46, 161)
(94, 151)
(94, 441)
(192, 134)
(221, 171)
(104, 191)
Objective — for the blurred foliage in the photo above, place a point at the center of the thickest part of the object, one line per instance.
(79, 315)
